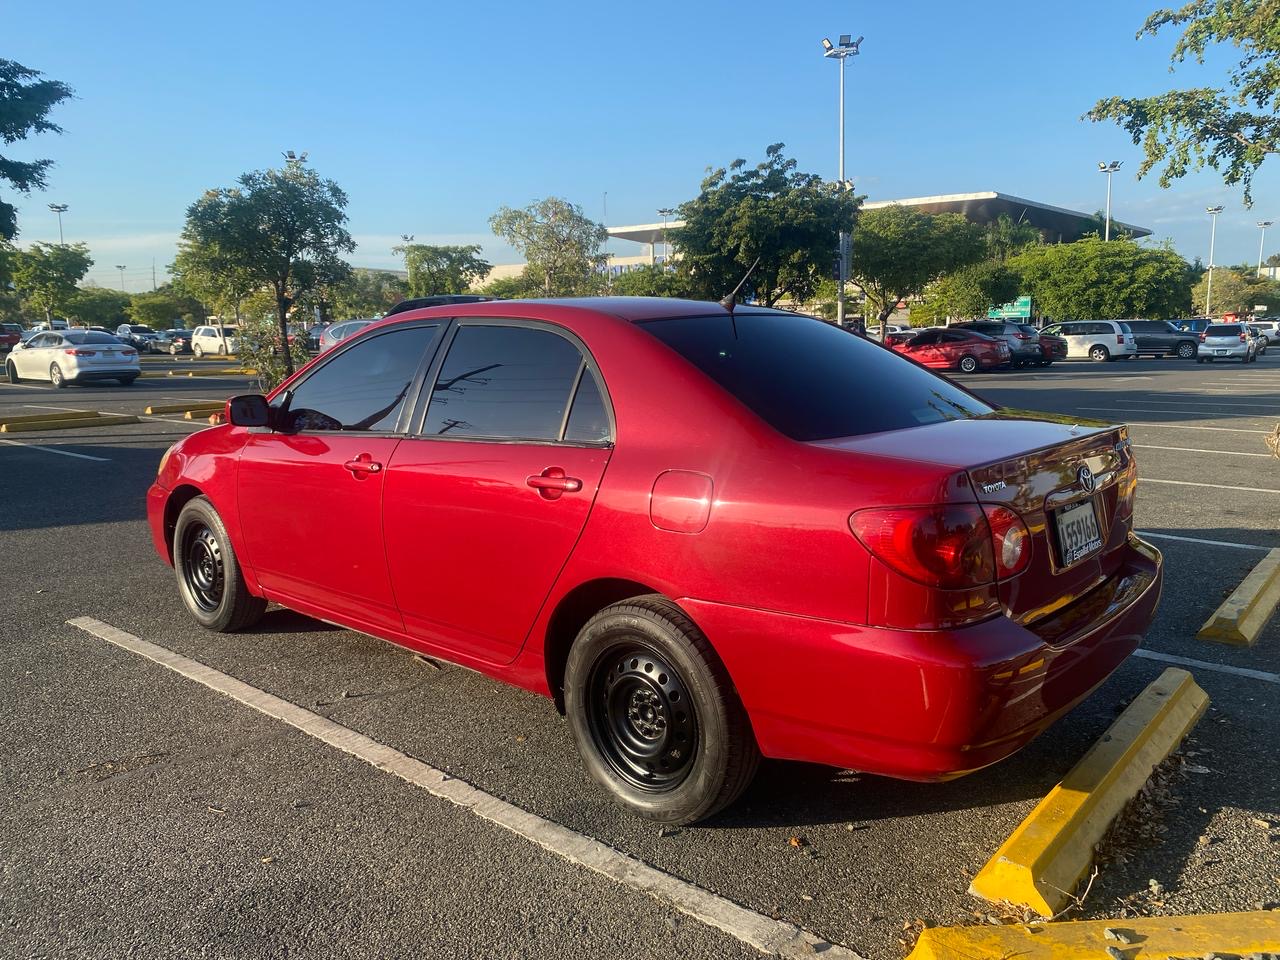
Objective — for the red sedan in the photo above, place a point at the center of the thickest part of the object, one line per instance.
(709, 536)
(963, 350)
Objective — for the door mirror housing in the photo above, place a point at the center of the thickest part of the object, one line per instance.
(249, 410)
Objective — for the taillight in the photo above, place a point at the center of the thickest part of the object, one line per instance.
(81, 353)
(1243, 338)
(946, 546)
(128, 353)
(1120, 339)
(1203, 335)
(1010, 540)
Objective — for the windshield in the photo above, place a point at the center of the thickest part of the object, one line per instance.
(811, 380)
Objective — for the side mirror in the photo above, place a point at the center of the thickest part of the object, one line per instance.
(249, 410)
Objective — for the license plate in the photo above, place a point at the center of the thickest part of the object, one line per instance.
(1222, 353)
(1078, 532)
(108, 353)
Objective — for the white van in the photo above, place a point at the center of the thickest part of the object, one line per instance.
(1096, 340)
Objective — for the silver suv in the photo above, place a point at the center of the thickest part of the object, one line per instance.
(1227, 341)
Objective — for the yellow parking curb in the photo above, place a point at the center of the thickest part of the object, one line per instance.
(68, 424)
(1049, 853)
(1145, 938)
(236, 372)
(44, 417)
(207, 405)
(1242, 615)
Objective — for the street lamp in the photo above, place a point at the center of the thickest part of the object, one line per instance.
(1263, 224)
(1213, 233)
(665, 212)
(1108, 169)
(842, 51)
(59, 209)
(121, 268)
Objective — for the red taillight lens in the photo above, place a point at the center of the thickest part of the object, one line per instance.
(81, 353)
(947, 546)
(1243, 338)
(1203, 335)
(1120, 339)
(128, 353)
(1010, 540)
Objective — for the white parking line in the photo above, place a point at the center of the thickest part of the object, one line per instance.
(1206, 665)
(1217, 414)
(1211, 543)
(1225, 453)
(1177, 426)
(65, 453)
(769, 936)
(1205, 402)
(1214, 486)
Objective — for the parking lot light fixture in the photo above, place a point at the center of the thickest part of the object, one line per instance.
(1108, 169)
(1262, 241)
(846, 48)
(1213, 233)
(664, 213)
(59, 209)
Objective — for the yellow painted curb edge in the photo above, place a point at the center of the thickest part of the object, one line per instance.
(1242, 615)
(78, 424)
(1148, 938)
(209, 406)
(1049, 853)
(43, 417)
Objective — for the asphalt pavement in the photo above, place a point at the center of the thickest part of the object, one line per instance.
(146, 815)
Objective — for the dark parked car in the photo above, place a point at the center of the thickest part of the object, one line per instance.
(1022, 339)
(137, 335)
(440, 300)
(179, 341)
(1161, 338)
(1194, 325)
(1052, 347)
(708, 536)
(10, 336)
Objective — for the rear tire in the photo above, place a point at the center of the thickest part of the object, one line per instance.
(56, 378)
(968, 365)
(1186, 350)
(173, 350)
(654, 714)
(210, 581)
(1099, 354)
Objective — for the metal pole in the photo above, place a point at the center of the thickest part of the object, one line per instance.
(1262, 242)
(1106, 233)
(1208, 293)
(844, 251)
(61, 240)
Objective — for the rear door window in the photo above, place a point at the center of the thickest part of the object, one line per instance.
(811, 380)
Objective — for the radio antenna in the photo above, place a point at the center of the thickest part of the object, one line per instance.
(731, 299)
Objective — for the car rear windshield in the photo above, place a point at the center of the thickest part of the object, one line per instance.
(1222, 330)
(811, 380)
(1028, 329)
(76, 337)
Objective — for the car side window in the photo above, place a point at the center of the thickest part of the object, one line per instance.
(588, 420)
(953, 336)
(363, 388)
(925, 339)
(505, 382)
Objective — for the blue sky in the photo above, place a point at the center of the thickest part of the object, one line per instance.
(432, 115)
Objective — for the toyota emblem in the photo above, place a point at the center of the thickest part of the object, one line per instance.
(1087, 482)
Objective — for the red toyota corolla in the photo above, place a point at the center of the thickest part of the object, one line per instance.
(963, 350)
(710, 536)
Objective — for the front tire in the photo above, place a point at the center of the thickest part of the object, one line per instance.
(198, 351)
(11, 369)
(222, 349)
(1099, 354)
(968, 365)
(654, 714)
(1186, 350)
(210, 580)
(173, 350)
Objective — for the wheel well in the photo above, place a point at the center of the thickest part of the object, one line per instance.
(571, 614)
(178, 498)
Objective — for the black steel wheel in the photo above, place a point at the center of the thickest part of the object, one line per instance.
(654, 714)
(210, 581)
(641, 717)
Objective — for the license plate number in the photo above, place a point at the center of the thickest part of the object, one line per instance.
(1222, 353)
(1078, 532)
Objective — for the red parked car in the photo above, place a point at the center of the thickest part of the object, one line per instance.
(10, 336)
(1053, 347)
(709, 536)
(963, 350)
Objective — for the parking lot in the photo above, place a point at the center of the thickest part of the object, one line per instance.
(147, 815)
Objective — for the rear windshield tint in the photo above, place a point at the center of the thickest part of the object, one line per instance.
(1222, 330)
(1124, 328)
(1028, 328)
(811, 380)
(75, 337)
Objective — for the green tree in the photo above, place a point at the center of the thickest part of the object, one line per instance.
(649, 281)
(1273, 260)
(898, 251)
(1096, 280)
(1006, 238)
(98, 307)
(279, 229)
(159, 311)
(791, 221)
(1236, 291)
(1230, 128)
(46, 274)
(969, 292)
(25, 103)
(562, 247)
(367, 293)
(202, 274)
(448, 269)
(520, 287)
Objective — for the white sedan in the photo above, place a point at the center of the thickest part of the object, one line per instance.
(73, 356)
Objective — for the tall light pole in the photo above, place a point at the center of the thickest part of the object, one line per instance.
(59, 209)
(1108, 169)
(1213, 233)
(665, 212)
(121, 268)
(842, 51)
(1262, 240)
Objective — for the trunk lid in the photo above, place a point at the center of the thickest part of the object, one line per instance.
(1034, 464)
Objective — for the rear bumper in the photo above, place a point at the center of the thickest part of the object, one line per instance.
(102, 373)
(926, 705)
